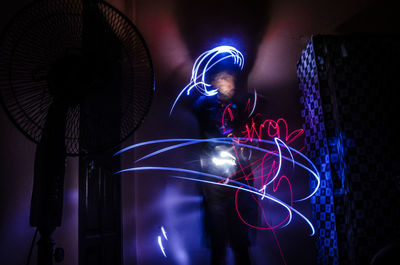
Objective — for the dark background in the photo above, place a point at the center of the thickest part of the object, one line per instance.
(271, 35)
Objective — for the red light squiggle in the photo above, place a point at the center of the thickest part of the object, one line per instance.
(266, 167)
(264, 171)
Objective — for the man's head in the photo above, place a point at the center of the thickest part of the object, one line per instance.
(225, 83)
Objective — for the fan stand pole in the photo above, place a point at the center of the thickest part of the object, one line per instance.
(45, 246)
(48, 186)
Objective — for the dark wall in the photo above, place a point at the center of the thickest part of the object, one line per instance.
(177, 32)
(271, 35)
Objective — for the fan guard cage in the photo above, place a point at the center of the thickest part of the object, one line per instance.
(42, 33)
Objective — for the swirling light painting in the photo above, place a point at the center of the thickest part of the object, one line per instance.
(268, 141)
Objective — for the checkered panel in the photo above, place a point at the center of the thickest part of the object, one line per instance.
(347, 85)
(318, 151)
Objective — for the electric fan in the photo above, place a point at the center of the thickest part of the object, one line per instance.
(75, 77)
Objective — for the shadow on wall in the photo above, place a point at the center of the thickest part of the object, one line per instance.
(212, 23)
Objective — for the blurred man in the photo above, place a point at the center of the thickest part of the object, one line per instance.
(222, 223)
